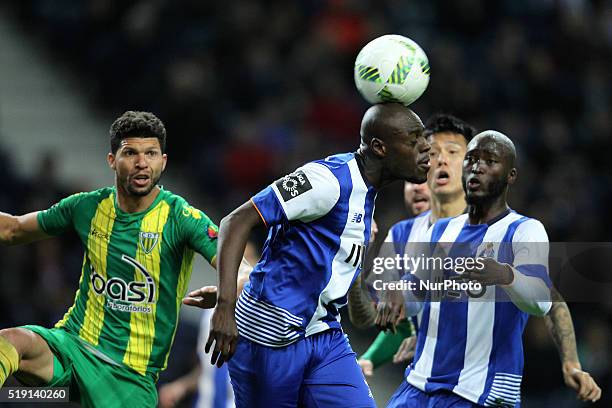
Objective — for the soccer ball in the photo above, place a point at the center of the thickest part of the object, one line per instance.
(391, 68)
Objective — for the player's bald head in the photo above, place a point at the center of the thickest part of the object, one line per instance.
(496, 142)
(386, 120)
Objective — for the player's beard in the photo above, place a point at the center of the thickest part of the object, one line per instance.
(141, 193)
(496, 189)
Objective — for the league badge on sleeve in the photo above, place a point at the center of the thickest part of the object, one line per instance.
(213, 231)
(292, 185)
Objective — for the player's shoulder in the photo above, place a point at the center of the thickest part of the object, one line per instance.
(409, 222)
(94, 196)
(321, 175)
(179, 206)
(336, 161)
(528, 228)
(452, 225)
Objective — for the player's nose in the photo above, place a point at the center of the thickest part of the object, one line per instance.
(141, 161)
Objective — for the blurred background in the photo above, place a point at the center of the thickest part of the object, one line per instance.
(249, 90)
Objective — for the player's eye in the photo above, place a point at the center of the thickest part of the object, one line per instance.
(152, 153)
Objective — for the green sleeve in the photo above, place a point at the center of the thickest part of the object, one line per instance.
(58, 218)
(199, 232)
(387, 343)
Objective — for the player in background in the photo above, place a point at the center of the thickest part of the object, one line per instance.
(448, 137)
(484, 365)
(139, 242)
(291, 350)
(362, 310)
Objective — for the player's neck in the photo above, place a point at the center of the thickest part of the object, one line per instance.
(370, 170)
(486, 211)
(130, 203)
(447, 208)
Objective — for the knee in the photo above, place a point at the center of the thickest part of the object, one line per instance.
(21, 339)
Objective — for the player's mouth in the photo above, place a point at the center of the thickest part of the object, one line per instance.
(442, 178)
(420, 202)
(424, 163)
(141, 180)
(473, 184)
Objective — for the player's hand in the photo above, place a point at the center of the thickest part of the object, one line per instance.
(223, 333)
(367, 367)
(405, 352)
(171, 394)
(581, 382)
(204, 298)
(389, 310)
(488, 272)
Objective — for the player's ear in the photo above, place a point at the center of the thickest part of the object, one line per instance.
(512, 175)
(110, 159)
(164, 161)
(378, 147)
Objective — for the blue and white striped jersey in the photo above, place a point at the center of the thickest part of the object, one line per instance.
(472, 346)
(319, 220)
(409, 230)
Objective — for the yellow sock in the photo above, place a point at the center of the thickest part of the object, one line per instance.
(9, 360)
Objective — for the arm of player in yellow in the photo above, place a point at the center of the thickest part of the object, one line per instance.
(20, 229)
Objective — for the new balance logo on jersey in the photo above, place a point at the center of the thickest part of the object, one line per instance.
(119, 290)
(357, 217)
(292, 185)
(356, 256)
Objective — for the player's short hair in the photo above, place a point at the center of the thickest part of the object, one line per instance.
(443, 122)
(137, 124)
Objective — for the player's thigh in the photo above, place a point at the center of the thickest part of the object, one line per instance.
(267, 377)
(36, 358)
(337, 380)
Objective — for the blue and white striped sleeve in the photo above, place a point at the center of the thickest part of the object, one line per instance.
(305, 195)
(530, 289)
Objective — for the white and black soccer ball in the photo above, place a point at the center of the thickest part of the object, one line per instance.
(391, 68)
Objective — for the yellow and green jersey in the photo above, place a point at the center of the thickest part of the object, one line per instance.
(135, 272)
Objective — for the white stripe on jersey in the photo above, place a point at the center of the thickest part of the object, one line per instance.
(342, 273)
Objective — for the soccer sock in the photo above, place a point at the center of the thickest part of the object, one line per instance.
(9, 360)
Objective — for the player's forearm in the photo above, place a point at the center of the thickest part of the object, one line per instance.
(9, 226)
(361, 309)
(234, 232)
(20, 229)
(561, 328)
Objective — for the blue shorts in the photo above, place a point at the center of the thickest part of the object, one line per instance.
(408, 396)
(319, 371)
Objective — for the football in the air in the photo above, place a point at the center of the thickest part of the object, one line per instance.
(391, 68)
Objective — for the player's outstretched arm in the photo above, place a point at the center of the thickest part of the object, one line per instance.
(233, 235)
(559, 324)
(20, 229)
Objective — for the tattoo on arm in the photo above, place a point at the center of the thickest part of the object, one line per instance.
(560, 326)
